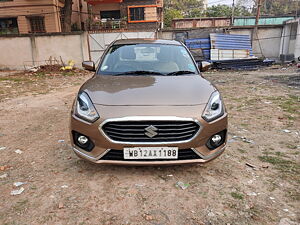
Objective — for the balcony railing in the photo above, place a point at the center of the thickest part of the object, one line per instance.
(108, 25)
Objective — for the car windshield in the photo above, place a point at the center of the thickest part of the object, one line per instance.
(147, 59)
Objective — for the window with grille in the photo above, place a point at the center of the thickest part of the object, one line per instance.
(8, 26)
(137, 14)
(142, 13)
(37, 24)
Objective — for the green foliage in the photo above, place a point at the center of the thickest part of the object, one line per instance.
(219, 11)
(226, 11)
(196, 12)
(170, 15)
(186, 6)
(237, 195)
(182, 9)
(285, 166)
(279, 7)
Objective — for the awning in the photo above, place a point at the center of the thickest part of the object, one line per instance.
(96, 2)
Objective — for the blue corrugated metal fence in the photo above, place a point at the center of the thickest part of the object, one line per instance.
(200, 43)
(231, 42)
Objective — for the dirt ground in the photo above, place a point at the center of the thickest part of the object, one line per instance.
(256, 181)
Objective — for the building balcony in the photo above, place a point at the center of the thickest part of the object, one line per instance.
(108, 25)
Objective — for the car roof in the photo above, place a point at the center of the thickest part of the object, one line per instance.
(146, 41)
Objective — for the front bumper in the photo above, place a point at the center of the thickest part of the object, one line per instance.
(103, 144)
(213, 156)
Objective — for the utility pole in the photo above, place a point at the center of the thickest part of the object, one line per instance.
(258, 13)
(255, 32)
(232, 15)
(297, 8)
(258, 6)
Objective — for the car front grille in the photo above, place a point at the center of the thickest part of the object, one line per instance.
(118, 155)
(163, 131)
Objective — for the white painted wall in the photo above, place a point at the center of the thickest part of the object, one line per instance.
(267, 44)
(14, 52)
(289, 46)
(285, 40)
(68, 47)
(297, 44)
(166, 35)
(17, 52)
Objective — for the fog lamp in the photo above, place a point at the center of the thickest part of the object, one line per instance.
(216, 139)
(83, 140)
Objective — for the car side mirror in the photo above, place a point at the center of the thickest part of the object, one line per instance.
(89, 65)
(204, 66)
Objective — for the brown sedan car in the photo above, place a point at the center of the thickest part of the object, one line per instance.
(148, 104)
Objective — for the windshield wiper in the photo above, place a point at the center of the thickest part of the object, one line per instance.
(181, 72)
(139, 72)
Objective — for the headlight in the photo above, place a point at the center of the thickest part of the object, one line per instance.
(214, 108)
(85, 109)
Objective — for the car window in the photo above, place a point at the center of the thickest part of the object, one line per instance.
(159, 59)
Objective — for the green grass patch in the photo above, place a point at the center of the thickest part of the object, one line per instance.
(290, 146)
(291, 104)
(237, 195)
(293, 194)
(285, 166)
(252, 101)
(241, 150)
(68, 73)
(13, 79)
(40, 74)
(281, 154)
(244, 125)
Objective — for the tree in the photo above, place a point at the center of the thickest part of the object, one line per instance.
(182, 9)
(226, 11)
(279, 7)
(67, 15)
(170, 15)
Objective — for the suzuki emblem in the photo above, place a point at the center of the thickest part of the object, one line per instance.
(151, 131)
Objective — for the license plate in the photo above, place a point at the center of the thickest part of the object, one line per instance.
(151, 153)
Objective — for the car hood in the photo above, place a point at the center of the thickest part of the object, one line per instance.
(148, 90)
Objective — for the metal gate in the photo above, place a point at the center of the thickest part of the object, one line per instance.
(98, 42)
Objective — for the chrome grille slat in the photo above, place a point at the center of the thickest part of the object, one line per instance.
(149, 124)
(134, 131)
(130, 130)
(143, 138)
(126, 134)
(176, 133)
(142, 133)
(195, 127)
